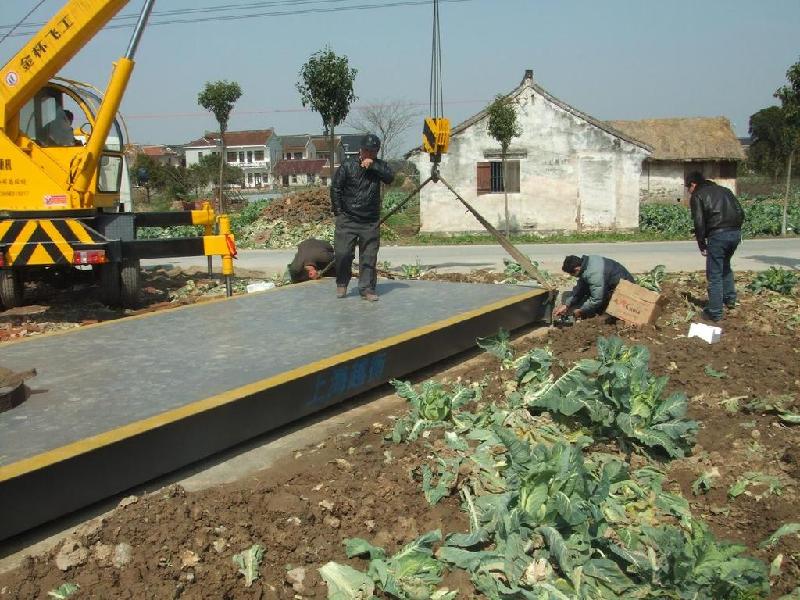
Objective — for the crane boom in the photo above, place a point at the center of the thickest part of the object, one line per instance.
(50, 49)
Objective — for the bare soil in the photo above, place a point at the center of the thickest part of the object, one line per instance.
(174, 544)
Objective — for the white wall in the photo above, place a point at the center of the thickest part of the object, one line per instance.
(663, 181)
(573, 176)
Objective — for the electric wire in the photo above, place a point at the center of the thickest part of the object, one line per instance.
(21, 21)
(253, 15)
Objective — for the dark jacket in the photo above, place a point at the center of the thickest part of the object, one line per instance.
(714, 208)
(356, 192)
(598, 279)
(318, 253)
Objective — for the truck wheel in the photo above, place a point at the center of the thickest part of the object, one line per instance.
(11, 288)
(109, 284)
(129, 278)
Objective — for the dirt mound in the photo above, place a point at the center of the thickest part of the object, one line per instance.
(313, 206)
(287, 221)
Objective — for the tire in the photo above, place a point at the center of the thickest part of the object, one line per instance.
(130, 280)
(110, 284)
(11, 288)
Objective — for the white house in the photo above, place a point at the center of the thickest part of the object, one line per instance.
(681, 146)
(566, 172)
(254, 151)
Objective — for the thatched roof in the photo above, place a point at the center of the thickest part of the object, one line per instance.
(699, 138)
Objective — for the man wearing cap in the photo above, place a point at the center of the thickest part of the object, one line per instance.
(718, 219)
(356, 203)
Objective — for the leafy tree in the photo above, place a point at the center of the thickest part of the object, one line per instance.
(209, 167)
(149, 174)
(218, 97)
(789, 95)
(503, 127)
(767, 153)
(326, 86)
(390, 119)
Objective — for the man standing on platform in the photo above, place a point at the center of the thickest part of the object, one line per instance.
(356, 203)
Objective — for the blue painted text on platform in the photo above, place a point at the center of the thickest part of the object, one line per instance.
(348, 377)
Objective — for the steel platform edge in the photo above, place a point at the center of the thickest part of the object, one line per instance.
(45, 486)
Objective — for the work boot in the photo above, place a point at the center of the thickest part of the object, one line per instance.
(341, 291)
(369, 296)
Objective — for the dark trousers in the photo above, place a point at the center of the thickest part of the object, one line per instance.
(721, 288)
(367, 236)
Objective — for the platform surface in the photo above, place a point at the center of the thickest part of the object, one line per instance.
(98, 378)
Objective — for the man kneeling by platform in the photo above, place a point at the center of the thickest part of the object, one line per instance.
(311, 260)
(598, 277)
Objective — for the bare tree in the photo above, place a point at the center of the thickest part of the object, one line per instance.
(388, 119)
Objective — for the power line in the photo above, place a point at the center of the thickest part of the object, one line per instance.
(202, 9)
(235, 17)
(240, 113)
(21, 21)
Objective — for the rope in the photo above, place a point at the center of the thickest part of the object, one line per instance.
(436, 106)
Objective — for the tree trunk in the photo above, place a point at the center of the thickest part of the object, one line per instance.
(221, 203)
(786, 195)
(331, 156)
(505, 195)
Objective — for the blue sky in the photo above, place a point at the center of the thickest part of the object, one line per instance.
(615, 59)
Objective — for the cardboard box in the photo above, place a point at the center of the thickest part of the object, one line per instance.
(634, 304)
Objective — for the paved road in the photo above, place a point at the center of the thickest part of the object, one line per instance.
(754, 255)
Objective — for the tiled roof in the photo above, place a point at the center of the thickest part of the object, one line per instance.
(299, 167)
(250, 137)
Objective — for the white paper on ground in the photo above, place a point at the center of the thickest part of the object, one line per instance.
(705, 332)
(259, 286)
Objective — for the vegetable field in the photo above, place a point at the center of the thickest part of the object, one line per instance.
(592, 462)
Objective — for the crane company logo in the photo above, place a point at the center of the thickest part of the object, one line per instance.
(55, 200)
(12, 78)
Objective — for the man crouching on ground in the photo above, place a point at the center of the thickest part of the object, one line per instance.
(598, 277)
(356, 203)
(312, 261)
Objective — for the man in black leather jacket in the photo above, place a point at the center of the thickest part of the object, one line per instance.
(718, 219)
(356, 202)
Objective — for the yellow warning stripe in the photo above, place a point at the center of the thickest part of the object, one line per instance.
(112, 436)
(80, 231)
(62, 244)
(18, 245)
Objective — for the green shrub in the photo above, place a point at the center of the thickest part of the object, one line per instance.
(671, 220)
(782, 281)
(762, 218)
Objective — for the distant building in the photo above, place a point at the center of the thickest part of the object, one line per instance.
(681, 146)
(255, 151)
(300, 171)
(297, 147)
(566, 172)
(166, 155)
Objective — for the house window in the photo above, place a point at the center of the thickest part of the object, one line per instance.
(249, 156)
(294, 178)
(249, 180)
(199, 155)
(298, 155)
(231, 157)
(241, 157)
(311, 178)
(258, 179)
(490, 177)
(259, 155)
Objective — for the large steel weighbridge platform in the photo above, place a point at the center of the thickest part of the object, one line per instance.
(119, 403)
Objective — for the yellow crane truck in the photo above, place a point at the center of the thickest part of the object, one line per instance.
(60, 185)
